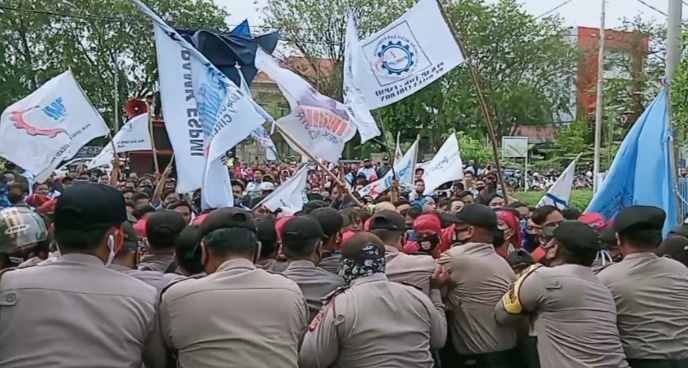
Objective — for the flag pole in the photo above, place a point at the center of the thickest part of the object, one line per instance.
(156, 165)
(481, 100)
(320, 164)
(599, 102)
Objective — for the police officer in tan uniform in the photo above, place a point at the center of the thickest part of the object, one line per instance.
(237, 316)
(75, 312)
(188, 255)
(332, 223)
(650, 292)
(481, 277)
(267, 236)
(162, 228)
(302, 239)
(572, 311)
(374, 323)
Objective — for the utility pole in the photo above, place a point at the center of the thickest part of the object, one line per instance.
(598, 104)
(673, 42)
(117, 107)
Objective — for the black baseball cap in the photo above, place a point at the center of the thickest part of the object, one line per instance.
(388, 220)
(267, 235)
(574, 235)
(362, 246)
(304, 227)
(163, 224)
(477, 215)
(640, 218)
(608, 237)
(224, 218)
(520, 258)
(89, 207)
(331, 221)
(131, 239)
(674, 247)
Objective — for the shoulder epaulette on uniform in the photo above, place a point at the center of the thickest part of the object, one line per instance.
(162, 292)
(340, 290)
(2, 272)
(326, 304)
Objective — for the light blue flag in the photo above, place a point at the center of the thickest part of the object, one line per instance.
(642, 171)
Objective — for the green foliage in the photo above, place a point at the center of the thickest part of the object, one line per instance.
(526, 64)
(573, 137)
(580, 198)
(679, 93)
(47, 37)
(474, 149)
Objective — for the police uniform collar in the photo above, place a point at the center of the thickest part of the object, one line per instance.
(474, 246)
(81, 258)
(378, 277)
(640, 255)
(236, 264)
(301, 263)
(390, 250)
(120, 268)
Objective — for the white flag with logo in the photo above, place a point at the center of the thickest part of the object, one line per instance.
(559, 193)
(445, 166)
(353, 98)
(318, 123)
(226, 115)
(49, 126)
(133, 136)
(404, 170)
(291, 195)
(182, 122)
(407, 55)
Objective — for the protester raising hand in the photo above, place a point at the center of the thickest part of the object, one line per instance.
(160, 185)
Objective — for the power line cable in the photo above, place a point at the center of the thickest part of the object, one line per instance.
(553, 9)
(652, 7)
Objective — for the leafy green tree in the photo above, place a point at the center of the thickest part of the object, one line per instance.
(474, 149)
(573, 137)
(45, 38)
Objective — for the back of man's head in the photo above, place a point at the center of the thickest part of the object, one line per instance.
(162, 229)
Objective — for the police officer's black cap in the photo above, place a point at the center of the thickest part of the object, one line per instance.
(640, 218)
(304, 227)
(88, 207)
(164, 223)
(477, 215)
(675, 247)
(131, 239)
(388, 220)
(224, 218)
(330, 220)
(574, 235)
(354, 247)
(266, 229)
(608, 236)
(520, 257)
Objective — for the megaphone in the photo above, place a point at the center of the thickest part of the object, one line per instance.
(135, 107)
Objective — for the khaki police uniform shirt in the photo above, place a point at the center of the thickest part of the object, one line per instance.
(411, 269)
(272, 265)
(76, 313)
(332, 263)
(315, 283)
(481, 278)
(154, 262)
(574, 317)
(651, 297)
(156, 279)
(239, 316)
(374, 324)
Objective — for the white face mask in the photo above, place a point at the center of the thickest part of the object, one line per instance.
(111, 245)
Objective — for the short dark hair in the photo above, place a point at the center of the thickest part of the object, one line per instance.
(517, 205)
(302, 248)
(387, 236)
(571, 213)
(414, 212)
(139, 195)
(313, 205)
(188, 253)
(127, 190)
(464, 193)
(181, 203)
(401, 202)
(166, 193)
(642, 239)
(419, 180)
(142, 210)
(232, 240)
(445, 203)
(130, 204)
(583, 257)
(540, 214)
(19, 186)
(80, 240)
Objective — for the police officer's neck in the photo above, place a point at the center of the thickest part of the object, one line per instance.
(330, 245)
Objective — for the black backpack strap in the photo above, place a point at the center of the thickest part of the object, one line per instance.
(172, 268)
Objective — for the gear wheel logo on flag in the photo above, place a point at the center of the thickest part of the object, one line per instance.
(396, 57)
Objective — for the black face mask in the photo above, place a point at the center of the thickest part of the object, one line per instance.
(434, 241)
(479, 188)
(15, 198)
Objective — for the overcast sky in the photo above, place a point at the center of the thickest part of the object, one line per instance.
(575, 12)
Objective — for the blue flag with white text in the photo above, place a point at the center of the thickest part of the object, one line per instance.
(642, 171)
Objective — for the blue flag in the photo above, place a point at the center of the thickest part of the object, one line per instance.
(642, 171)
(242, 29)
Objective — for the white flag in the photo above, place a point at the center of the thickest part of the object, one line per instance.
(445, 166)
(260, 135)
(398, 154)
(559, 193)
(226, 115)
(291, 195)
(133, 136)
(404, 170)
(407, 55)
(49, 126)
(320, 124)
(182, 122)
(353, 98)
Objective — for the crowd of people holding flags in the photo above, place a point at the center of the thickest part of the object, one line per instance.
(322, 263)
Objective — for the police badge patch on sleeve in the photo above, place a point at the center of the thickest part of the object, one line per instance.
(318, 318)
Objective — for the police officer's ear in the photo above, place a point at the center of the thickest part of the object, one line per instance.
(319, 249)
(204, 254)
(338, 238)
(256, 255)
